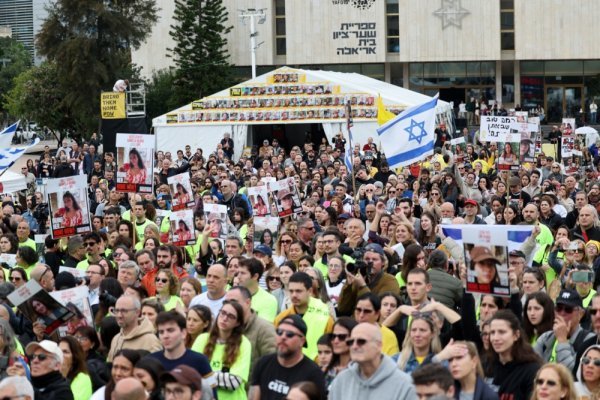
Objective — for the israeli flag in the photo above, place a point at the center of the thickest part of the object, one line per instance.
(409, 137)
(7, 134)
(9, 155)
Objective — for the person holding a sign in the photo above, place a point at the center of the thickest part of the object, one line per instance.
(70, 212)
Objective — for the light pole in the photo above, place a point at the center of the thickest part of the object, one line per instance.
(251, 14)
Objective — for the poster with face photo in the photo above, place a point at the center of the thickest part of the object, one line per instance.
(568, 126)
(77, 301)
(486, 249)
(508, 158)
(181, 188)
(259, 199)
(216, 217)
(286, 197)
(38, 306)
(135, 159)
(182, 227)
(266, 231)
(68, 206)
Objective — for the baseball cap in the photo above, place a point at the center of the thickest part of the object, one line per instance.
(184, 375)
(471, 202)
(376, 248)
(296, 321)
(378, 184)
(344, 216)
(569, 297)
(263, 249)
(48, 346)
(283, 193)
(482, 253)
(517, 253)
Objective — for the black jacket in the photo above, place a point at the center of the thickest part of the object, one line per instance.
(52, 386)
(99, 373)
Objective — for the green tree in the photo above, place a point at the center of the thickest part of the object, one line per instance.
(160, 97)
(14, 59)
(90, 43)
(37, 96)
(200, 55)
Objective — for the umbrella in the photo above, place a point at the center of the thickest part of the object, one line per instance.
(584, 130)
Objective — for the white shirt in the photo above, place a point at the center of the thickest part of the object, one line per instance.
(204, 300)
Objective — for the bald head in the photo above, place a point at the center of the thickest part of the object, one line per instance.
(129, 389)
(365, 329)
(43, 275)
(447, 210)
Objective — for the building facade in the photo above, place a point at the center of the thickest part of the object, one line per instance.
(24, 18)
(527, 52)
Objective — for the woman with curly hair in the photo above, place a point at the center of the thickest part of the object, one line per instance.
(166, 289)
(228, 350)
(70, 213)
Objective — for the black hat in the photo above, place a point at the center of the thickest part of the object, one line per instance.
(65, 280)
(569, 297)
(296, 321)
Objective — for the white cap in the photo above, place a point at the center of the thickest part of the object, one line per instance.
(48, 346)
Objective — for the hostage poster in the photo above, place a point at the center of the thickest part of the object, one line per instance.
(135, 159)
(68, 206)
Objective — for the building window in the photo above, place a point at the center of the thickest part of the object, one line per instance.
(507, 25)
(393, 26)
(280, 42)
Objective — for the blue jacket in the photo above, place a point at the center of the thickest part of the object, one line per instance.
(482, 391)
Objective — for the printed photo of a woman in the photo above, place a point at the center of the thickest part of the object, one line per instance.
(70, 213)
(135, 168)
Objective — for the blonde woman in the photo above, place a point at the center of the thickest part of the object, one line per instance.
(554, 382)
(421, 343)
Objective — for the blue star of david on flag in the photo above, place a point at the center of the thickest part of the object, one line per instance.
(409, 137)
(8, 156)
(419, 136)
(7, 134)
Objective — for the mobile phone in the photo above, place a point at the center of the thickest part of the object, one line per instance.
(582, 276)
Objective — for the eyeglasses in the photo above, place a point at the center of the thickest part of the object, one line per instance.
(339, 336)
(93, 272)
(41, 357)
(163, 280)
(310, 228)
(593, 311)
(587, 360)
(176, 393)
(286, 333)
(273, 278)
(363, 310)
(19, 396)
(359, 342)
(434, 194)
(90, 244)
(542, 382)
(369, 190)
(285, 241)
(391, 191)
(15, 278)
(81, 338)
(564, 308)
(224, 314)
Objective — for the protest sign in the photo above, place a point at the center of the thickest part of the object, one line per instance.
(259, 199)
(112, 105)
(77, 301)
(286, 195)
(8, 260)
(135, 158)
(216, 217)
(567, 146)
(39, 307)
(486, 249)
(266, 231)
(68, 206)
(181, 188)
(182, 227)
(495, 129)
(508, 159)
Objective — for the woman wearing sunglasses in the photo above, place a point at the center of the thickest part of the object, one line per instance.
(166, 290)
(588, 374)
(341, 351)
(555, 382)
(228, 350)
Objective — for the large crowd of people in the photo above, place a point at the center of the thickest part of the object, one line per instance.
(358, 295)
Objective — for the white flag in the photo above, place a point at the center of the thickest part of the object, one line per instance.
(409, 137)
(9, 155)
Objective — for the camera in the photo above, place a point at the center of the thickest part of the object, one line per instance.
(107, 299)
(361, 267)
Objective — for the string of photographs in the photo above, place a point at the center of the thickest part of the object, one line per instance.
(270, 202)
(518, 138)
(571, 146)
(486, 249)
(65, 310)
(135, 158)
(68, 205)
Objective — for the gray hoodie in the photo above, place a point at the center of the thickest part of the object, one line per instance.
(388, 382)
(580, 386)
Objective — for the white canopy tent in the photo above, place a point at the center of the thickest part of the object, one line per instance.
(11, 182)
(189, 124)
